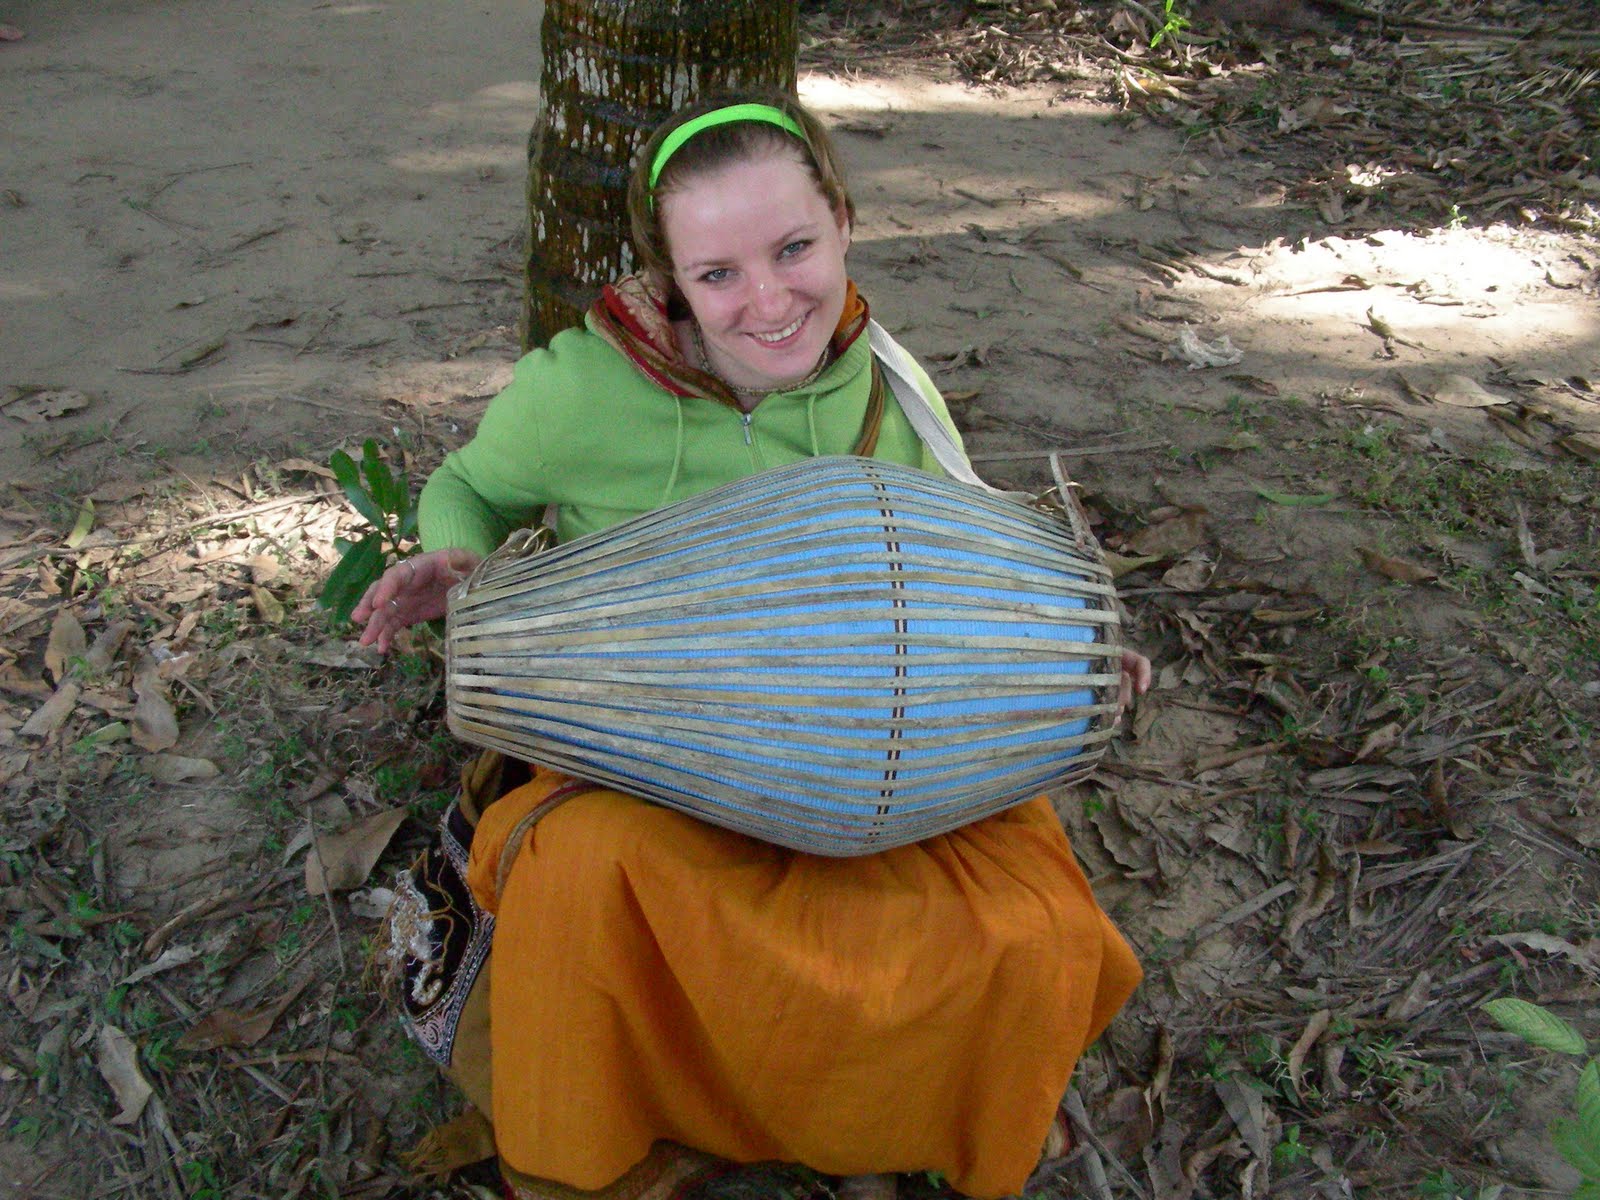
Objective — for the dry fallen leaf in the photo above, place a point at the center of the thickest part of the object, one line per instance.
(1585, 445)
(85, 522)
(1190, 575)
(175, 768)
(1586, 958)
(268, 606)
(1378, 741)
(1313, 900)
(172, 956)
(118, 1061)
(103, 653)
(264, 569)
(1410, 1003)
(343, 860)
(1396, 568)
(338, 656)
(305, 466)
(67, 642)
(1445, 387)
(155, 724)
(1315, 1028)
(238, 1027)
(1247, 1108)
(1170, 538)
(1123, 564)
(1377, 847)
(47, 718)
(44, 406)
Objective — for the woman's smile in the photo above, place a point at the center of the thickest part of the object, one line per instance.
(772, 339)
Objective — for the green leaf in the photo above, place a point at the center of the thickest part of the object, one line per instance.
(1580, 1147)
(1588, 1191)
(1536, 1025)
(408, 523)
(1587, 1101)
(345, 471)
(355, 572)
(1306, 501)
(379, 479)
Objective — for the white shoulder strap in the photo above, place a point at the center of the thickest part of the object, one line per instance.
(897, 365)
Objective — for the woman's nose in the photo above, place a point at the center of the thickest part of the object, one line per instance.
(766, 296)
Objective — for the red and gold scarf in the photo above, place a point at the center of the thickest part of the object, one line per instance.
(634, 319)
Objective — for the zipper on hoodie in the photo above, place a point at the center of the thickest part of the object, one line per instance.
(745, 417)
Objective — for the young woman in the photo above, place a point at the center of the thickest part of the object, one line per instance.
(660, 989)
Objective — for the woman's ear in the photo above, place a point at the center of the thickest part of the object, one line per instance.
(841, 217)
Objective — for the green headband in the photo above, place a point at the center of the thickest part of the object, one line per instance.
(720, 116)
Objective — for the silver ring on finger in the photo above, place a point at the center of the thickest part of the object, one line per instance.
(412, 567)
(395, 604)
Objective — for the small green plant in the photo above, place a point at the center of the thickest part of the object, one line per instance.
(27, 1131)
(346, 1014)
(1441, 1185)
(1576, 1138)
(384, 499)
(204, 1183)
(1291, 1149)
(1172, 23)
(160, 1053)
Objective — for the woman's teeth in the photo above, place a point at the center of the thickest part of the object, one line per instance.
(787, 331)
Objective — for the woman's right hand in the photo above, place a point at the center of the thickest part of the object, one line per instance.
(414, 589)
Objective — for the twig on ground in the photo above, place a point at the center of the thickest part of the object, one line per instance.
(1418, 915)
(1097, 1152)
(1071, 452)
(1241, 911)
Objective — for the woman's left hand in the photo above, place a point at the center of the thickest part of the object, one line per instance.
(414, 589)
(1136, 677)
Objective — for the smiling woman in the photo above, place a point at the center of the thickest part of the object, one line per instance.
(659, 989)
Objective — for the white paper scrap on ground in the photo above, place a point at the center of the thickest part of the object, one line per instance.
(1220, 353)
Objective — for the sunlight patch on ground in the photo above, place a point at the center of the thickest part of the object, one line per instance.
(33, 289)
(959, 129)
(511, 106)
(473, 156)
(1455, 294)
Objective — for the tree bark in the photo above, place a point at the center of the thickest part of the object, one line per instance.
(612, 71)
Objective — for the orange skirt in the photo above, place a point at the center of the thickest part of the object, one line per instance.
(657, 978)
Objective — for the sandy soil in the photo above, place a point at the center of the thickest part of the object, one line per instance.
(246, 230)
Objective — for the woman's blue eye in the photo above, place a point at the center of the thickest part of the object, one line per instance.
(715, 275)
(794, 248)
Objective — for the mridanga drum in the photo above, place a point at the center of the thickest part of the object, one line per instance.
(837, 656)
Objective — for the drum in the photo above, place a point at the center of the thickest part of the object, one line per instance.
(837, 656)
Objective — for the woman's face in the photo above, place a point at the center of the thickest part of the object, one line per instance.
(759, 255)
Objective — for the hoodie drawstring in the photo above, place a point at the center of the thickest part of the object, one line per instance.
(677, 458)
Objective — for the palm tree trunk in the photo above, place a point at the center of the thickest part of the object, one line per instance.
(612, 71)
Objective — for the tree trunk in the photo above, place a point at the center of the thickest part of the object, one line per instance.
(612, 71)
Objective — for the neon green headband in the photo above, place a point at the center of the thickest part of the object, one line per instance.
(720, 116)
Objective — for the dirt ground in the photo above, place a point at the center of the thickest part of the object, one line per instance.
(1342, 448)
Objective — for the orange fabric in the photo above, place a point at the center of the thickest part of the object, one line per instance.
(655, 977)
